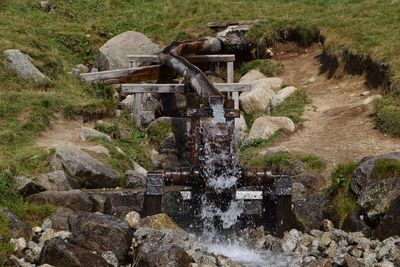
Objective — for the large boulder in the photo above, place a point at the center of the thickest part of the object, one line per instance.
(75, 200)
(84, 170)
(112, 55)
(59, 219)
(26, 186)
(266, 126)
(240, 129)
(61, 253)
(101, 233)
(376, 198)
(390, 226)
(354, 223)
(22, 65)
(258, 99)
(281, 95)
(362, 175)
(251, 76)
(57, 181)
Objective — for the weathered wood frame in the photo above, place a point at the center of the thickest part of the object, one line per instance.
(137, 90)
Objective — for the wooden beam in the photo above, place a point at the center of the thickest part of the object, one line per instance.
(117, 74)
(191, 59)
(128, 89)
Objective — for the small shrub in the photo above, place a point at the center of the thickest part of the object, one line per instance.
(339, 191)
(313, 162)
(293, 106)
(386, 168)
(265, 66)
(112, 130)
(158, 133)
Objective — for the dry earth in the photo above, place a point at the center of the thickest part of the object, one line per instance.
(339, 127)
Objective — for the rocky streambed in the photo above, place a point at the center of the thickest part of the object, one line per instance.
(96, 239)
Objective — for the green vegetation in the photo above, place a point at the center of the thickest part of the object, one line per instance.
(267, 67)
(386, 168)
(339, 192)
(158, 133)
(293, 106)
(32, 214)
(313, 162)
(388, 114)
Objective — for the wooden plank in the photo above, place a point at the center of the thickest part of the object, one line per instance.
(114, 74)
(127, 89)
(191, 59)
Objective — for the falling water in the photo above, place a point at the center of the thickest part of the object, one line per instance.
(220, 181)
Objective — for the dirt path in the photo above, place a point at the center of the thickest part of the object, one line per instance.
(339, 128)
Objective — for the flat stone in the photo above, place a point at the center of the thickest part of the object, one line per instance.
(84, 170)
(90, 133)
(266, 126)
(251, 76)
(75, 200)
(61, 253)
(282, 95)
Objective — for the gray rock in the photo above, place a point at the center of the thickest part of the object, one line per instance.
(258, 99)
(75, 200)
(19, 244)
(155, 252)
(83, 169)
(290, 240)
(57, 181)
(110, 258)
(389, 249)
(16, 227)
(240, 129)
(59, 219)
(90, 133)
(61, 253)
(251, 76)
(376, 198)
(266, 126)
(120, 204)
(99, 149)
(26, 186)
(308, 213)
(82, 68)
(389, 226)
(135, 179)
(353, 223)
(47, 6)
(133, 219)
(362, 174)
(22, 65)
(101, 233)
(112, 55)
(281, 95)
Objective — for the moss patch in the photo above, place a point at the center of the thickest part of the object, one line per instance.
(267, 67)
(386, 168)
(293, 106)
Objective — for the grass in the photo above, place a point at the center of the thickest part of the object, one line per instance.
(313, 162)
(293, 106)
(267, 67)
(385, 169)
(32, 214)
(388, 114)
(339, 192)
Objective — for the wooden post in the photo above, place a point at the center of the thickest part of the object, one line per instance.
(138, 107)
(235, 95)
